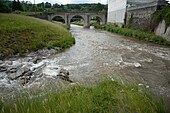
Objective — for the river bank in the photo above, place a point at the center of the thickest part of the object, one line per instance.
(22, 34)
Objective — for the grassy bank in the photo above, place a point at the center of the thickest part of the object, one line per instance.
(141, 35)
(20, 34)
(105, 97)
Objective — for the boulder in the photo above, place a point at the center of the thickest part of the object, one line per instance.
(37, 59)
(3, 68)
(24, 80)
(20, 73)
(64, 74)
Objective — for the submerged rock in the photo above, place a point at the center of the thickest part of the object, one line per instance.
(3, 68)
(20, 73)
(64, 74)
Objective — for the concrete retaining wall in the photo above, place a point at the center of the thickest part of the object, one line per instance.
(161, 30)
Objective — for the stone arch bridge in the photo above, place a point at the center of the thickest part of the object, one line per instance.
(86, 17)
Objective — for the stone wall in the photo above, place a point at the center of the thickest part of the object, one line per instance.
(140, 17)
(163, 31)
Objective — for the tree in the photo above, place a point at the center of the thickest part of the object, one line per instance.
(19, 6)
(4, 8)
(47, 5)
(99, 7)
(16, 6)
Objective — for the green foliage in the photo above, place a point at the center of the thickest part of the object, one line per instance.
(16, 5)
(163, 14)
(106, 97)
(19, 34)
(141, 35)
(4, 8)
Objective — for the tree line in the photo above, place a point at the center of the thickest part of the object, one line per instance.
(7, 6)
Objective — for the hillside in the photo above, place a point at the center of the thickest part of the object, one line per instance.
(20, 34)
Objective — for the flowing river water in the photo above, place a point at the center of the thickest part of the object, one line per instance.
(96, 54)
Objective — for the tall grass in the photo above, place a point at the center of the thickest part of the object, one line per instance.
(19, 34)
(141, 35)
(105, 97)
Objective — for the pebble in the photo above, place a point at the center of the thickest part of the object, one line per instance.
(137, 65)
(147, 86)
(140, 84)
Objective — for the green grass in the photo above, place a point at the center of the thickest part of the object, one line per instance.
(105, 97)
(141, 35)
(79, 23)
(20, 34)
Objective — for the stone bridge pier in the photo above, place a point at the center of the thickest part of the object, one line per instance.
(87, 17)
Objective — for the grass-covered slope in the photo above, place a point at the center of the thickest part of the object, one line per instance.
(106, 97)
(141, 35)
(19, 34)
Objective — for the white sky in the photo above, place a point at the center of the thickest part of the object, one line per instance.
(71, 1)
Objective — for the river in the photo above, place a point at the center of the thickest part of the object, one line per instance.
(96, 54)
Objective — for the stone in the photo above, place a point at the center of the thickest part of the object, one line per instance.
(64, 74)
(3, 68)
(12, 70)
(20, 73)
(24, 80)
(137, 65)
(36, 60)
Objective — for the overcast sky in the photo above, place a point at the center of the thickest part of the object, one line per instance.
(70, 1)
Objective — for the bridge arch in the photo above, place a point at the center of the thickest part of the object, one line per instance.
(102, 18)
(58, 18)
(74, 18)
(96, 19)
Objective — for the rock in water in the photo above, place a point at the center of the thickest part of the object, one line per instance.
(3, 68)
(64, 74)
(137, 65)
(23, 75)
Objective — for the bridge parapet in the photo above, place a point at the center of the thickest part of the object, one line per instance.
(87, 16)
